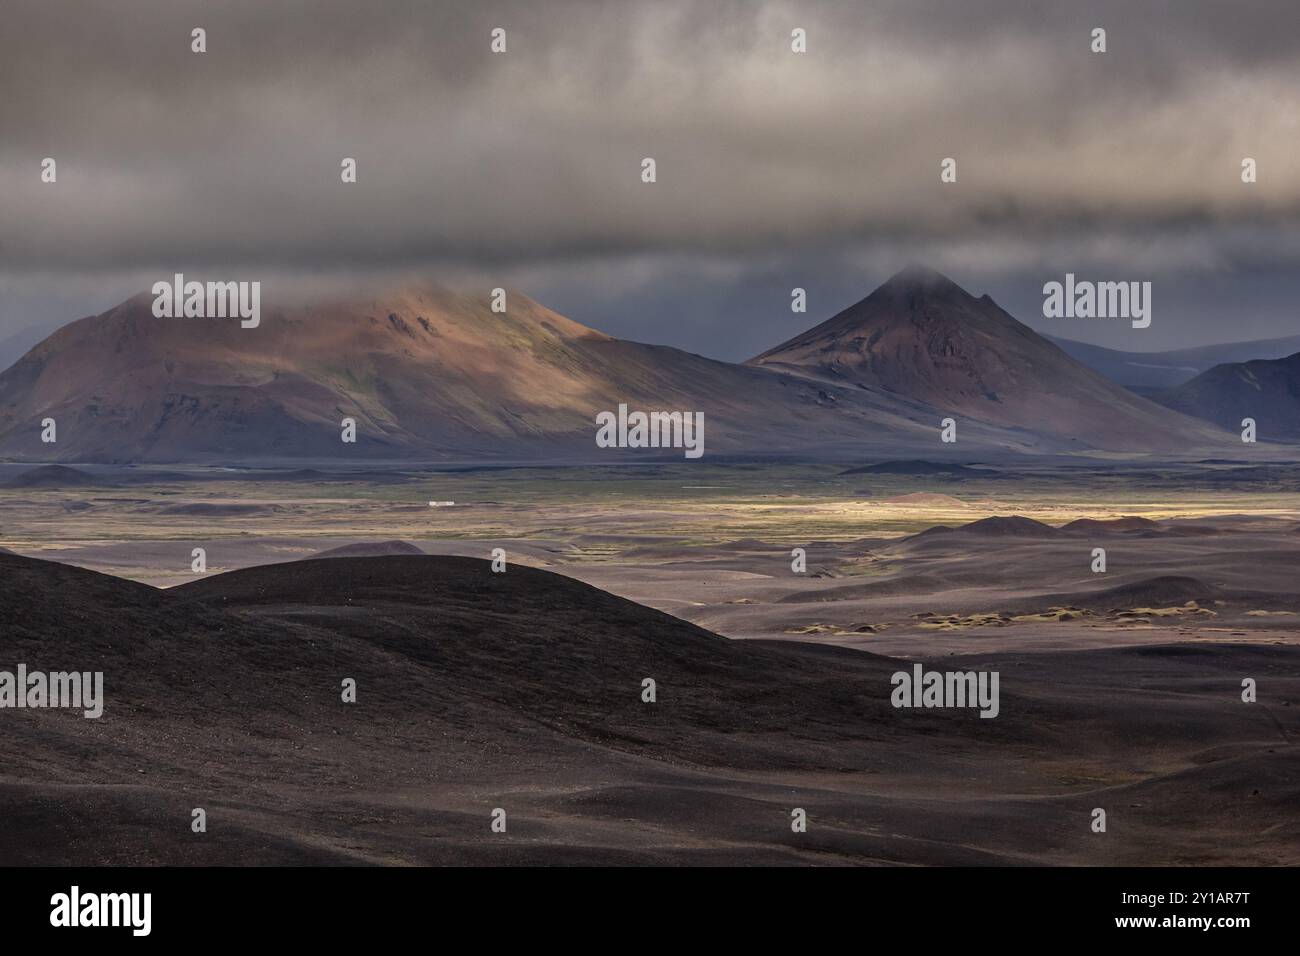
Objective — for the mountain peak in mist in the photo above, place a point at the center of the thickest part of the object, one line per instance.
(922, 336)
(916, 278)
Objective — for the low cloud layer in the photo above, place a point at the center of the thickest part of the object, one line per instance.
(529, 161)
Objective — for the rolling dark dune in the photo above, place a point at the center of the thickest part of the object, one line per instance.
(563, 652)
(998, 526)
(1111, 525)
(523, 691)
(54, 476)
(439, 636)
(369, 549)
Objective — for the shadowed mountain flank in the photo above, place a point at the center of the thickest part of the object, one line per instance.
(1267, 391)
(998, 526)
(922, 336)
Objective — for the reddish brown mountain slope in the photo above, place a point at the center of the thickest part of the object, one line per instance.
(922, 336)
(426, 373)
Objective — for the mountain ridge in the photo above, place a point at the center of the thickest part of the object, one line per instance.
(1266, 390)
(428, 373)
(1148, 372)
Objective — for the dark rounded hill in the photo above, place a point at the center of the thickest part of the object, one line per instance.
(438, 646)
(1160, 591)
(997, 526)
(1105, 525)
(369, 549)
(520, 690)
(550, 648)
(60, 603)
(54, 476)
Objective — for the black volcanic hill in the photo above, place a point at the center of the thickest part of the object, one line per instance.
(523, 691)
(997, 526)
(226, 694)
(369, 549)
(54, 476)
(1267, 390)
(922, 336)
(1128, 523)
(432, 642)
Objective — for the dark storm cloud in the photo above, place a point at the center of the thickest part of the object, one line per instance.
(531, 160)
(233, 155)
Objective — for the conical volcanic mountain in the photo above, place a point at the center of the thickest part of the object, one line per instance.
(922, 336)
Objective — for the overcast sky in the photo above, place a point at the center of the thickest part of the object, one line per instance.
(775, 169)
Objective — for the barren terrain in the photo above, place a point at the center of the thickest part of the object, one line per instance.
(522, 690)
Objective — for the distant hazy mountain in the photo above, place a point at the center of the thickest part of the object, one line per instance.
(1265, 390)
(922, 336)
(1146, 372)
(429, 374)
